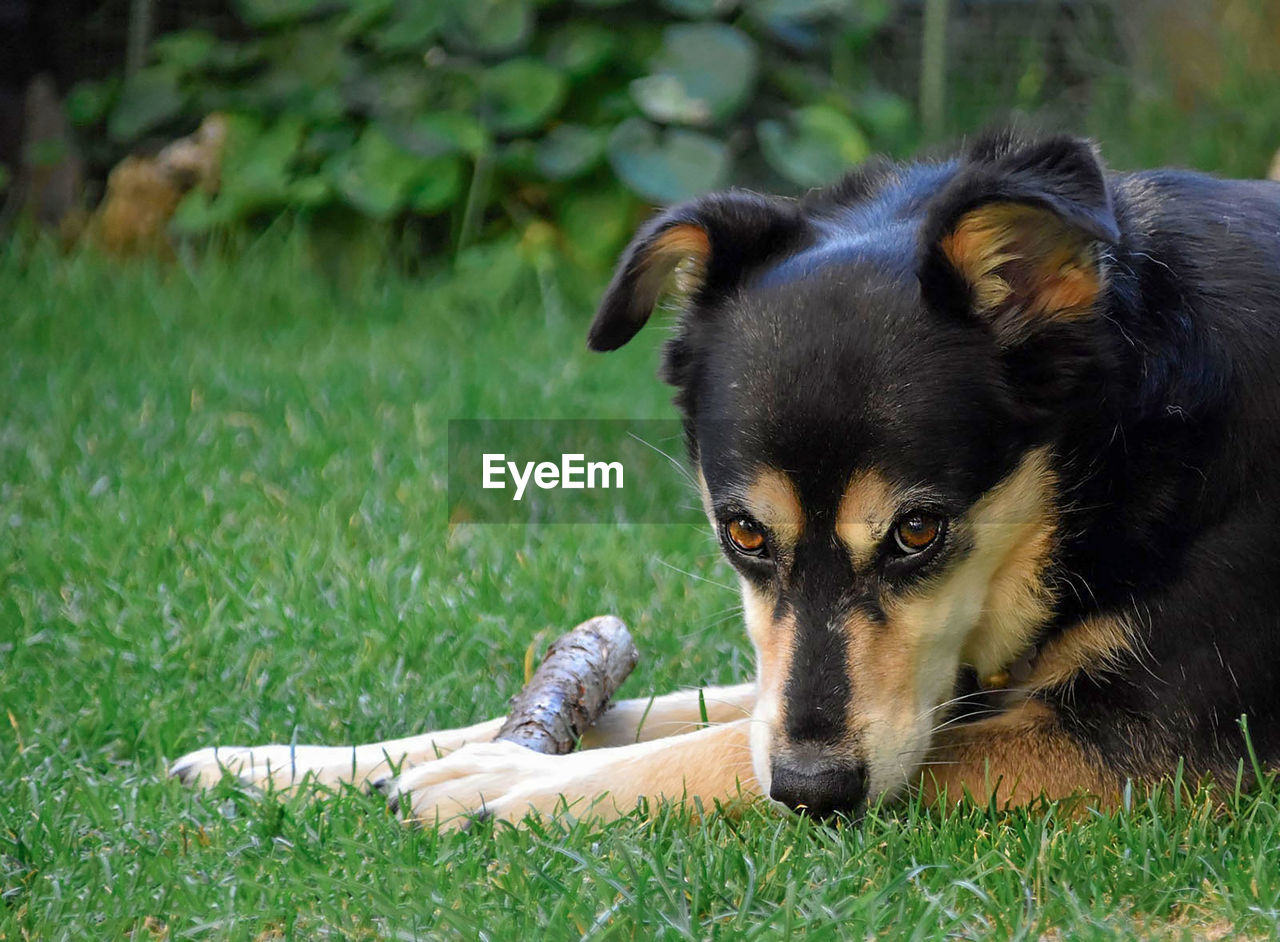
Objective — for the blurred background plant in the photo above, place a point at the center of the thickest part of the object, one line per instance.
(557, 122)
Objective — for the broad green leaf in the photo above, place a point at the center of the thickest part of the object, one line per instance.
(820, 144)
(229, 56)
(257, 175)
(5, 177)
(399, 91)
(410, 27)
(798, 81)
(569, 150)
(283, 91)
(361, 15)
(494, 26)
(314, 54)
(438, 187)
(515, 159)
(665, 167)
(441, 133)
(596, 222)
(325, 141)
(886, 115)
(198, 213)
(702, 75)
(798, 9)
(257, 166)
(520, 95)
(148, 99)
(185, 50)
(275, 12)
(869, 16)
(375, 175)
(580, 49)
(310, 192)
(667, 99)
(699, 9)
(88, 102)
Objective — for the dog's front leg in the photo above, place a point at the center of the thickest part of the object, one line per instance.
(283, 766)
(1014, 758)
(507, 781)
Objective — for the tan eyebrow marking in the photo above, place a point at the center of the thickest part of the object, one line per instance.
(774, 501)
(866, 509)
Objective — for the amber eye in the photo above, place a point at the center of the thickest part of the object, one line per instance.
(916, 532)
(746, 535)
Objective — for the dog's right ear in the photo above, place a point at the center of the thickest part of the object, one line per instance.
(699, 249)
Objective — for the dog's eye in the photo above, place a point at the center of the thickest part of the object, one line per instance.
(746, 536)
(916, 531)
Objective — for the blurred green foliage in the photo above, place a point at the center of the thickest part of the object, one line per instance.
(1212, 101)
(482, 116)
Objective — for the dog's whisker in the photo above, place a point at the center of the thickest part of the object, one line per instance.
(966, 718)
(708, 627)
(715, 620)
(963, 699)
(694, 575)
(680, 466)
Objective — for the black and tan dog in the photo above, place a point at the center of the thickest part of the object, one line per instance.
(993, 445)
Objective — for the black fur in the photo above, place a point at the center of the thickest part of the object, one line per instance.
(832, 336)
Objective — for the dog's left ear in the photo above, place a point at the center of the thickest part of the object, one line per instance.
(700, 249)
(1015, 237)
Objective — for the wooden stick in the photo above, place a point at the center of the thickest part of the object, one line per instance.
(571, 687)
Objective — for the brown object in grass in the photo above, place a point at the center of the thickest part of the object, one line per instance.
(572, 686)
(144, 192)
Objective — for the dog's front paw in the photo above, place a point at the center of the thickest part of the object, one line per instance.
(276, 766)
(499, 780)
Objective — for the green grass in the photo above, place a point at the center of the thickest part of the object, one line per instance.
(222, 519)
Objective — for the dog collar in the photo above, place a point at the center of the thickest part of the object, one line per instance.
(1014, 675)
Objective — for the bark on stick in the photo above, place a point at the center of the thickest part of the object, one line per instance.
(571, 687)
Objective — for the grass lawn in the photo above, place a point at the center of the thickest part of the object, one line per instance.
(223, 520)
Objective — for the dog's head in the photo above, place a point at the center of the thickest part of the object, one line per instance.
(871, 380)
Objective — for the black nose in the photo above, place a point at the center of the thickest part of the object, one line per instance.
(820, 790)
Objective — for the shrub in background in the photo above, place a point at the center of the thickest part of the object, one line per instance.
(471, 118)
